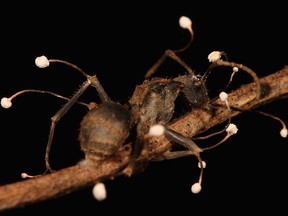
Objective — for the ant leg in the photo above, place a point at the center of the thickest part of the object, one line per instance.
(185, 23)
(283, 131)
(91, 80)
(172, 54)
(55, 119)
(94, 81)
(174, 136)
(136, 152)
(43, 62)
(169, 155)
(153, 69)
(59, 115)
(192, 147)
(182, 140)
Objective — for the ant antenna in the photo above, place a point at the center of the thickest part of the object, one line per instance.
(184, 23)
(216, 61)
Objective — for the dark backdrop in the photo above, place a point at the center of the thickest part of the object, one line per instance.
(119, 42)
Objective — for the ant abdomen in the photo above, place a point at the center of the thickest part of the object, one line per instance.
(103, 130)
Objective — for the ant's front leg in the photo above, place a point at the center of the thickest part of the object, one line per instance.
(175, 137)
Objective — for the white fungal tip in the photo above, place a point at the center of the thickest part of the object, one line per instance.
(196, 188)
(99, 191)
(235, 69)
(24, 175)
(6, 102)
(42, 61)
(156, 130)
(223, 96)
(232, 129)
(214, 56)
(203, 164)
(185, 22)
(284, 133)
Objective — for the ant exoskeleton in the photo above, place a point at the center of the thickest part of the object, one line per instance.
(107, 125)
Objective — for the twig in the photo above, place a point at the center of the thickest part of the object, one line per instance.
(65, 181)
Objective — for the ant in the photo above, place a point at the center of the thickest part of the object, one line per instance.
(107, 125)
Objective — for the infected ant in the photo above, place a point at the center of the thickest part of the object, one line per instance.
(106, 126)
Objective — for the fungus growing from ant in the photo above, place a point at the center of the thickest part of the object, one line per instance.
(107, 126)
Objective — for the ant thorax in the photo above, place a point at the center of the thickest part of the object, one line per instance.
(153, 102)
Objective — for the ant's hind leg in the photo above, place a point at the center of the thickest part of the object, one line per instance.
(193, 149)
(58, 116)
(133, 165)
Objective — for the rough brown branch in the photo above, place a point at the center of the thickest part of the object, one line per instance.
(82, 175)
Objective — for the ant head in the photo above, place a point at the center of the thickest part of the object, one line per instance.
(195, 91)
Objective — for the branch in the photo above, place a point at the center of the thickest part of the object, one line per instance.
(86, 174)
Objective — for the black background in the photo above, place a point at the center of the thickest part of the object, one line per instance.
(119, 42)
